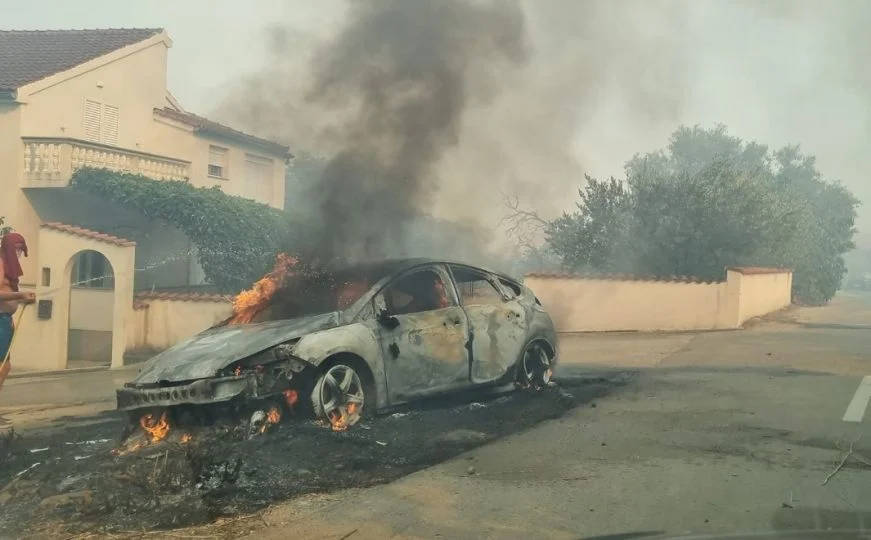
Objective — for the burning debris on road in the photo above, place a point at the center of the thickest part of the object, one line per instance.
(84, 483)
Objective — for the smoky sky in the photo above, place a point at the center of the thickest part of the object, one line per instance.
(441, 107)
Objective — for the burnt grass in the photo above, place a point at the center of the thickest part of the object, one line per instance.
(79, 485)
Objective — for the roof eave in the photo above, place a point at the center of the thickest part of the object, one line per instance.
(250, 139)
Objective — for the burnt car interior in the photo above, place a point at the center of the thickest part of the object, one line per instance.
(316, 294)
(418, 291)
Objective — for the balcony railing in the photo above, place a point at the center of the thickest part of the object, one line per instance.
(50, 162)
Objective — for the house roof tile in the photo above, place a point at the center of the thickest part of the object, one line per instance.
(200, 123)
(754, 270)
(27, 56)
(88, 233)
(181, 296)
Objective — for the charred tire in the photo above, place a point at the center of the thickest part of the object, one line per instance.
(534, 368)
(339, 395)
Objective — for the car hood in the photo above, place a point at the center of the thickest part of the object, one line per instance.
(207, 352)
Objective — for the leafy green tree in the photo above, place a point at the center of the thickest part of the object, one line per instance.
(589, 238)
(823, 231)
(708, 201)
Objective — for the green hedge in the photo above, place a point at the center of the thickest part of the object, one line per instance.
(236, 239)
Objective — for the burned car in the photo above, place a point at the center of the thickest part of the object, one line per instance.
(349, 340)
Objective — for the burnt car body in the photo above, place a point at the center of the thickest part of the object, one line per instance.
(375, 335)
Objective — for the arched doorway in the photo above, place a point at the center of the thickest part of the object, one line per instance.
(92, 297)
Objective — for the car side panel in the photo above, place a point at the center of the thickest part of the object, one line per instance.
(426, 353)
(498, 335)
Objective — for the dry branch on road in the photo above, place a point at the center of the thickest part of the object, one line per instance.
(843, 460)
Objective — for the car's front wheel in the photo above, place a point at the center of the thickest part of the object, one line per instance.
(338, 397)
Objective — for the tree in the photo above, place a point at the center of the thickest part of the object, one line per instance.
(707, 201)
(3, 227)
(824, 229)
(591, 237)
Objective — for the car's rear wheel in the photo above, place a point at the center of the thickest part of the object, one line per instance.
(338, 396)
(535, 368)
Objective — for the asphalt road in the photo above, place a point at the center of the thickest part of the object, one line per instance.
(723, 431)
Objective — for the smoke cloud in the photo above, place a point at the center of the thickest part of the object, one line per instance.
(390, 91)
(436, 109)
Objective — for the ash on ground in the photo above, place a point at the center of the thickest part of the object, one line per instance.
(67, 479)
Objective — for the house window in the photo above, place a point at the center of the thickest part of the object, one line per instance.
(217, 162)
(100, 122)
(92, 271)
(258, 178)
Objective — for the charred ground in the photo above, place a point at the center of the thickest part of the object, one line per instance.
(79, 485)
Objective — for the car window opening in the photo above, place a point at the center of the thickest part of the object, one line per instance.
(475, 288)
(417, 292)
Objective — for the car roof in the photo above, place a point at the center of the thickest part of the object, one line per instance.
(384, 267)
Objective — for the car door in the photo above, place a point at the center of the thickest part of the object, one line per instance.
(423, 333)
(497, 321)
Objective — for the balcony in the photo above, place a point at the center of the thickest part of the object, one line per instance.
(50, 162)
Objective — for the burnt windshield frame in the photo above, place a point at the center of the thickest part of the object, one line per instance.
(315, 294)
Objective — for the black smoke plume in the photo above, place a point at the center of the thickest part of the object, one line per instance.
(400, 76)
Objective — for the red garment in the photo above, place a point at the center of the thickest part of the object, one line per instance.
(11, 267)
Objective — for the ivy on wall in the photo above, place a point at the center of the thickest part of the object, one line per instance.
(236, 239)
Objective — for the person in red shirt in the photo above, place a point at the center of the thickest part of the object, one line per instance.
(12, 248)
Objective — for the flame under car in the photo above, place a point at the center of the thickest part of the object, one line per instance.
(351, 341)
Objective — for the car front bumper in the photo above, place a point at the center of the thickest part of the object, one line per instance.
(201, 392)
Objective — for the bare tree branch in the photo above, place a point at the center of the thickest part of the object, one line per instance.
(523, 225)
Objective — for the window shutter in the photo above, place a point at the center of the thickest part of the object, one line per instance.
(110, 125)
(258, 179)
(91, 121)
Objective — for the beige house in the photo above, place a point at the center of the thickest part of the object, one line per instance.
(99, 98)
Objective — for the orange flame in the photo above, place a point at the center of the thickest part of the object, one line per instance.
(129, 449)
(273, 416)
(186, 438)
(248, 304)
(156, 429)
(338, 421)
(291, 397)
